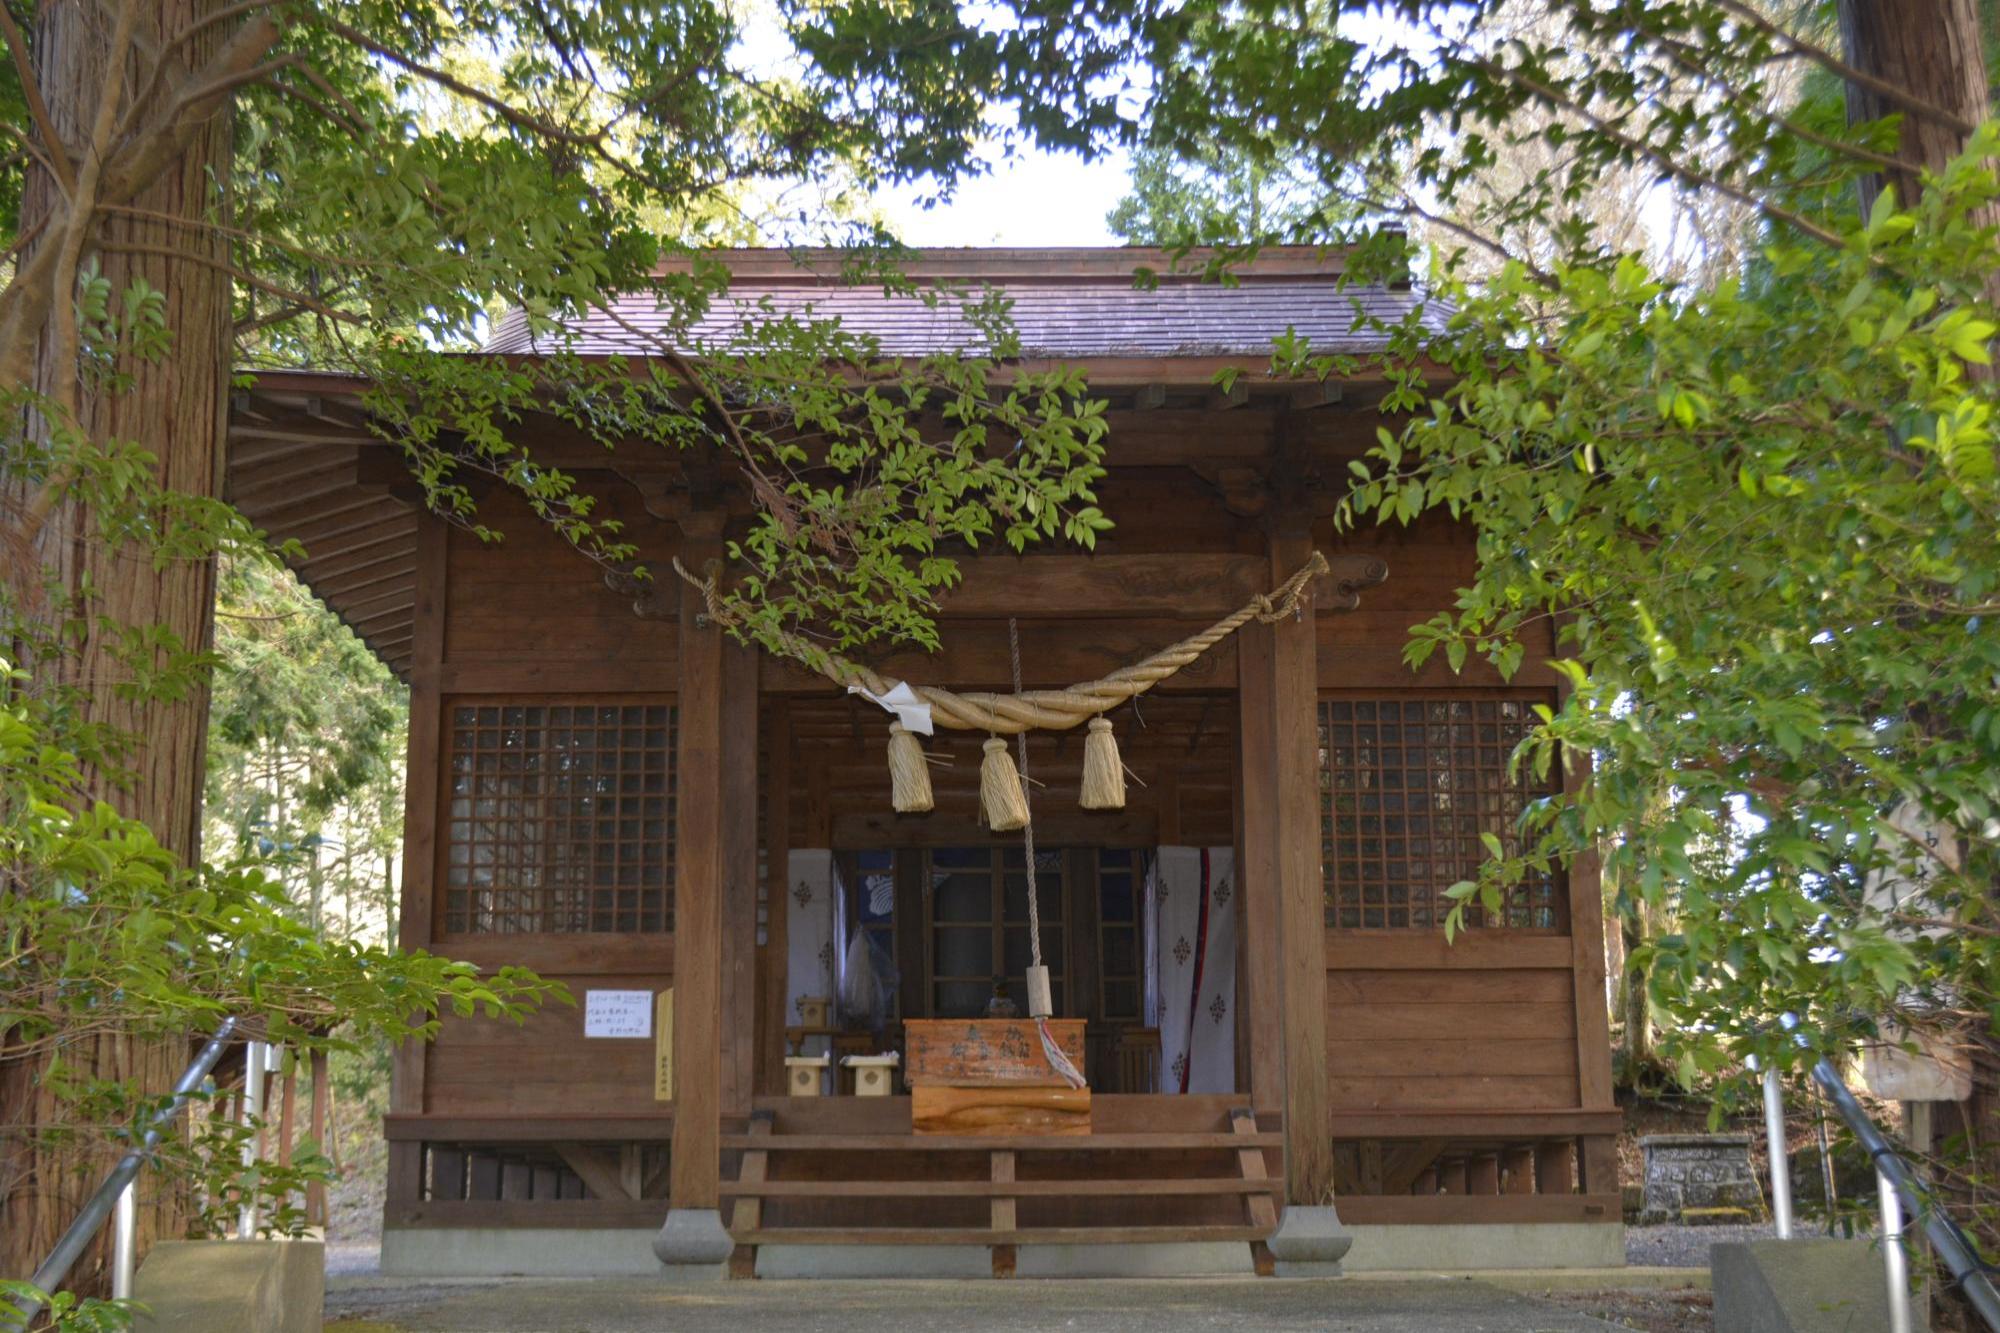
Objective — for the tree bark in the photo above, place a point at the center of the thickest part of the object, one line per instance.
(1931, 49)
(175, 408)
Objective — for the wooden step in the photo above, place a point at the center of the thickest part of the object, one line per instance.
(992, 1236)
(912, 1143)
(987, 1189)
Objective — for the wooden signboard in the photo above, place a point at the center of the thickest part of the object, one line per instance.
(1016, 1110)
(990, 1076)
(663, 1046)
(986, 1052)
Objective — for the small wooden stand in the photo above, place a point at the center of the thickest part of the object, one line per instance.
(873, 1075)
(990, 1076)
(804, 1074)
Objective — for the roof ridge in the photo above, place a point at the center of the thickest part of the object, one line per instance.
(817, 265)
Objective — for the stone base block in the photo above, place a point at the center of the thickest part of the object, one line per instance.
(1310, 1242)
(519, 1252)
(1460, 1247)
(1792, 1286)
(692, 1245)
(232, 1286)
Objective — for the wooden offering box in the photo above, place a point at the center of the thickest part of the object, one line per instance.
(990, 1076)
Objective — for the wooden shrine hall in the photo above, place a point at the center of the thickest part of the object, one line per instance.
(778, 977)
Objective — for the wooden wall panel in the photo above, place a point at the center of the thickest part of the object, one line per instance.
(545, 1066)
(1431, 1036)
(532, 601)
(1429, 561)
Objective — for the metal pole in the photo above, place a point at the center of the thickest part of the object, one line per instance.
(68, 1249)
(125, 1242)
(253, 1108)
(1895, 1263)
(1775, 1150)
(1945, 1238)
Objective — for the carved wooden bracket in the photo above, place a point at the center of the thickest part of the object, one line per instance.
(653, 598)
(691, 497)
(1348, 576)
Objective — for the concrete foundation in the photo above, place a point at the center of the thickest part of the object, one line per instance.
(232, 1286)
(1404, 1250)
(1796, 1286)
(693, 1246)
(518, 1252)
(1461, 1246)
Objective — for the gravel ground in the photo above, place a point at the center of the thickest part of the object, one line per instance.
(640, 1305)
(1685, 1310)
(1684, 1247)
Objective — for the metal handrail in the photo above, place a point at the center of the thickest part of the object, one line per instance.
(1900, 1192)
(71, 1246)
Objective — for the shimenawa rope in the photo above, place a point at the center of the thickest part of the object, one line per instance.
(1037, 710)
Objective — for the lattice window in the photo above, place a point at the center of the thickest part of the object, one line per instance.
(561, 818)
(979, 927)
(1119, 971)
(1406, 786)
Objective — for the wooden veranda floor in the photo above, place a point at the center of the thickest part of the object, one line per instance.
(849, 1171)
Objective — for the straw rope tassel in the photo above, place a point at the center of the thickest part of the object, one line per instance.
(1000, 793)
(1103, 771)
(909, 776)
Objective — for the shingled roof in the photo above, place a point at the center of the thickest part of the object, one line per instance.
(1066, 303)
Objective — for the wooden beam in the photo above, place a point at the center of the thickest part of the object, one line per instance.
(1456, 1206)
(1149, 398)
(1198, 587)
(1222, 400)
(701, 839)
(517, 1128)
(1420, 1123)
(595, 1169)
(973, 655)
(1326, 393)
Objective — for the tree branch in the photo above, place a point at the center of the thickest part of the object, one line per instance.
(38, 109)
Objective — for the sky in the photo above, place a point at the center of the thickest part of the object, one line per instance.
(1035, 198)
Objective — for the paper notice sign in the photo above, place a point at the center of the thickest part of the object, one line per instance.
(618, 1013)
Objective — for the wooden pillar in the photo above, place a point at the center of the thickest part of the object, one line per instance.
(738, 757)
(1258, 873)
(701, 835)
(1555, 1167)
(417, 922)
(1597, 1157)
(769, 1076)
(1284, 906)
